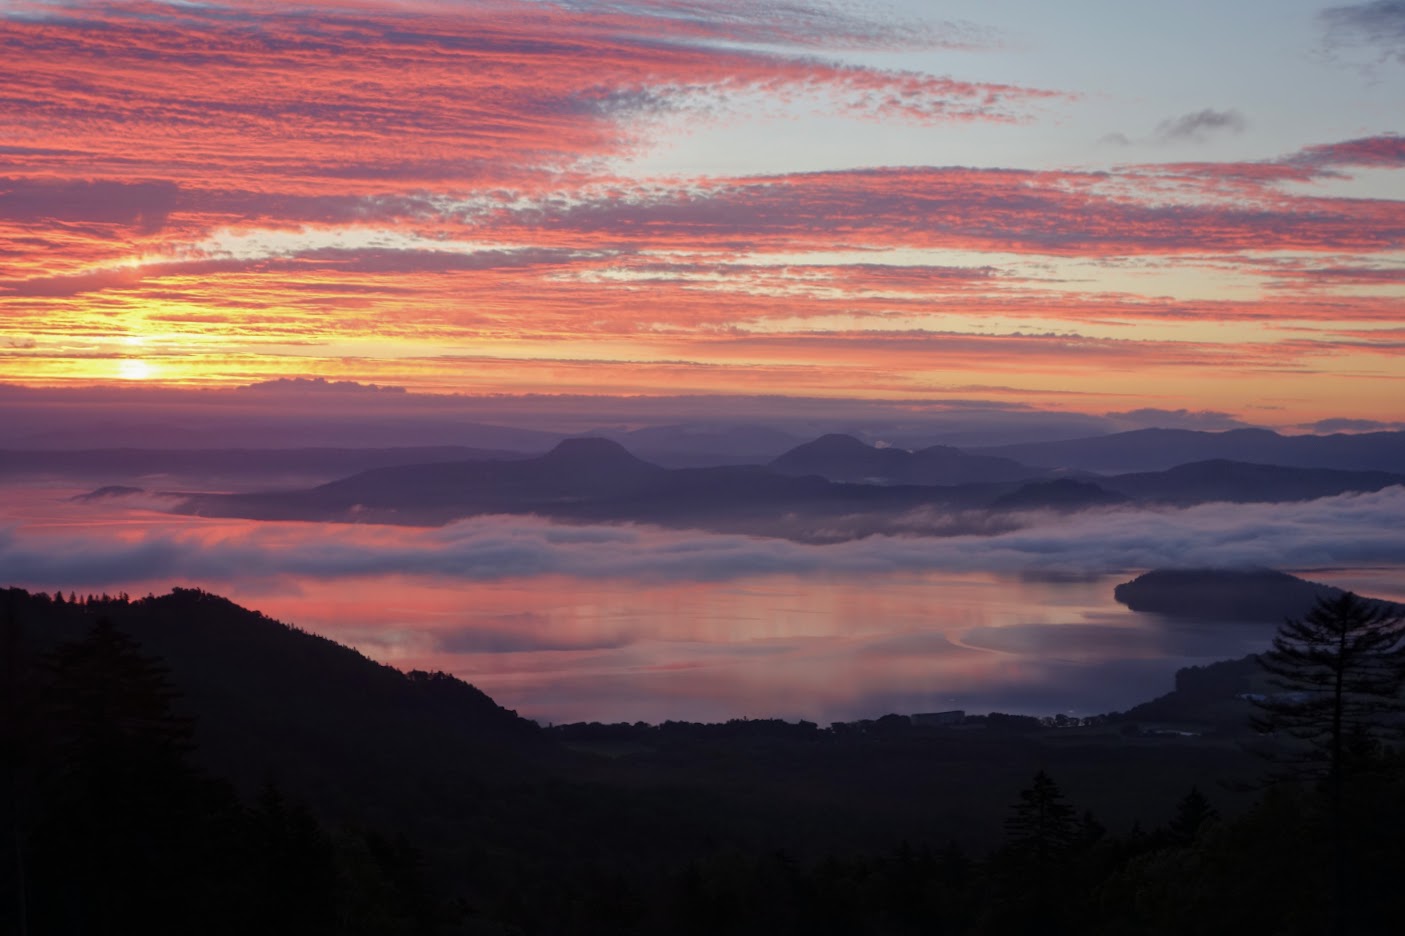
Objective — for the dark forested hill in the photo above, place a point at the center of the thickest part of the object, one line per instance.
(1251, 595)
(442, 813)
(362, 739)
(275, 702)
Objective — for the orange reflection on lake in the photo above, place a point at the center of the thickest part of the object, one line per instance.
(488, 603)
(824, 648)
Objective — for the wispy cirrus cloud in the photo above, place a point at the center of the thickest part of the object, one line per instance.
(389, 190)
(232, 91)
(160, 123)
(1378, 25)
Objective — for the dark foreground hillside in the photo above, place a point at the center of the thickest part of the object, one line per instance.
(180, 764)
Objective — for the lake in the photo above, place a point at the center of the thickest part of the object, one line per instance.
(635, 624)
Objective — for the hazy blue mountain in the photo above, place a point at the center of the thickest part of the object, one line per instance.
(702, 445)
(1240, 482)
(333, 429)
(125, 464)
(575, 470)
(598, 480)
(115, 435)
(1159, 449)
(1061, 494)
(840, 457)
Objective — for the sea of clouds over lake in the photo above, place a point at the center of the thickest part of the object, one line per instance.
(630, 622)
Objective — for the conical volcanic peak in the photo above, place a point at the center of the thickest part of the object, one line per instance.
(594, 454)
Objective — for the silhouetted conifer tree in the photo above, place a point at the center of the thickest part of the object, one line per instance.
(1041, 831)
(294, 872)
(1341, 668)
(1192, 813)
(17, 731)
(129, 834)
(1090, 830)
(1041, 826)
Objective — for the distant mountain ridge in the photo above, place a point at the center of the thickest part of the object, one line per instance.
(598, 480)
(839, 457)
(697, 445)
(1160, 449)
(1061, 494)
(1243, 482)
(124, 464)
(347, 431)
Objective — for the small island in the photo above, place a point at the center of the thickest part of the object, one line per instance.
(1247, 595)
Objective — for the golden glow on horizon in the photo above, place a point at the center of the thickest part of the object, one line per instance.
(134, 369)
(468, 218)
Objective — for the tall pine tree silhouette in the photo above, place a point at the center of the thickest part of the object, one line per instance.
(129, 831)
(1040, 833)
(17, 734)
(1193, 813)
(1341, 668)
(1041, 826)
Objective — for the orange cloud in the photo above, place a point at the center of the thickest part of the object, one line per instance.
(388, 191)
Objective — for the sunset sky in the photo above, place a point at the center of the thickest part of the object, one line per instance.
(1092, 206)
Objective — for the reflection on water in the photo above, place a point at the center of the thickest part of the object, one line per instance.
(824, 648)
(565, 647)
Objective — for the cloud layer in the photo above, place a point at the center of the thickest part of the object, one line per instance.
(1352, 530)
(1378, 25)
(457, 197)
(629, 622)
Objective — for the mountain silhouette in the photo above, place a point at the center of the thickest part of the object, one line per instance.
(839, 457)
(701, 445)
(115, 465)
(594, 464)
(1241, 482)
(276, 701)
(1159, 449)
(597, 480)
(1060, 494)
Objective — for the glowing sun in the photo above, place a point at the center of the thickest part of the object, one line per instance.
(133, 369)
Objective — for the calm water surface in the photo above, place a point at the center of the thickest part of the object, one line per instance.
(566, 647)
